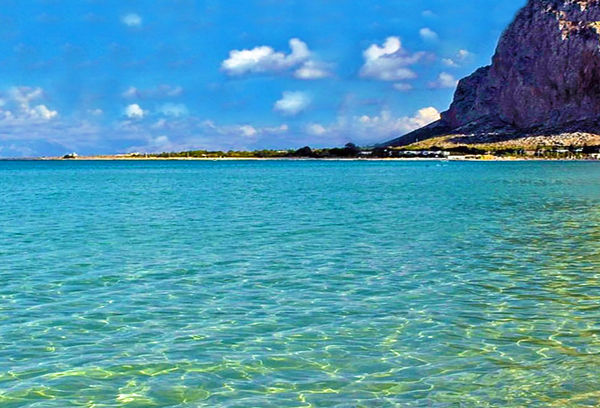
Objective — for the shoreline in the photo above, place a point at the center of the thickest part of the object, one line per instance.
(403, 159)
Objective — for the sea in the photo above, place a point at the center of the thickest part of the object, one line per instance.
(300, 284)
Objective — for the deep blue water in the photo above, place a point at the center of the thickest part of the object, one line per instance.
(299, 284)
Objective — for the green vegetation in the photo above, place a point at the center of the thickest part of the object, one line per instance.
(220, 154)
(351, 151)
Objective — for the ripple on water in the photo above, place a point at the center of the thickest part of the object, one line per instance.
(299, 284)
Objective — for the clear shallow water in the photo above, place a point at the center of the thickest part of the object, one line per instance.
(299, 284)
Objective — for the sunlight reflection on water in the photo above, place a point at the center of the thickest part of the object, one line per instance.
(299, 284)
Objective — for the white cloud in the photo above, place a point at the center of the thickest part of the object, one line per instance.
(402, 87)
(449, 62)
(428, 34)
(461, 57)
(422, 118)
(265, 59)
(134, 111)
(428, 13)
(292, 103)
(248, 130)
(132, 20)
(316, 129)
(41, 111)
(313, 70)
(464, 54)
(96, 112)
(171, 109)
(23, 97)
(444, 80)
(131, 92)
(385, 123)
(372, 129)
(390, 62)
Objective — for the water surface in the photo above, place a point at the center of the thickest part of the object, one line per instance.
(299, 284)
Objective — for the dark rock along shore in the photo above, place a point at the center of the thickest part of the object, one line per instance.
(544, 79)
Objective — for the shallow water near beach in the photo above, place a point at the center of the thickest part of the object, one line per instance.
(299, 284)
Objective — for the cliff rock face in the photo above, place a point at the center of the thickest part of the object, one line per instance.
(545, 74)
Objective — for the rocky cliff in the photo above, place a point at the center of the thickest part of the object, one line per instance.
(544, 77)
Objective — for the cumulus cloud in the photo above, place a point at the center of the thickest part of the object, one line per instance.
(41, 111)
(265, 59)
(248, 130)
(449, 62)
(375, 128)
(464, 54)
(132, 20)
(313, 70)
(21, 100)
(428, 34)
(386, 123)
(316, 129)
(444, 80)
(292, 103)
(389, 62)
(461, 57)
(172, 109)
(134, 111)
(423, 117)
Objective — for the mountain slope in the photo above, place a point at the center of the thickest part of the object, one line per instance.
(544, 78)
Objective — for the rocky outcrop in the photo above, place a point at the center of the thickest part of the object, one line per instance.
(545, 74)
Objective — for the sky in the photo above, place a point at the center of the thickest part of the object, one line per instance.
(121, 76)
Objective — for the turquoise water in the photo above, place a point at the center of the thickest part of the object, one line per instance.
(299, 284)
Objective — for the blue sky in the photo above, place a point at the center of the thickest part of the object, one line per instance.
(115, 76)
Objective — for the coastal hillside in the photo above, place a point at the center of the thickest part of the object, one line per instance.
(543, 86)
